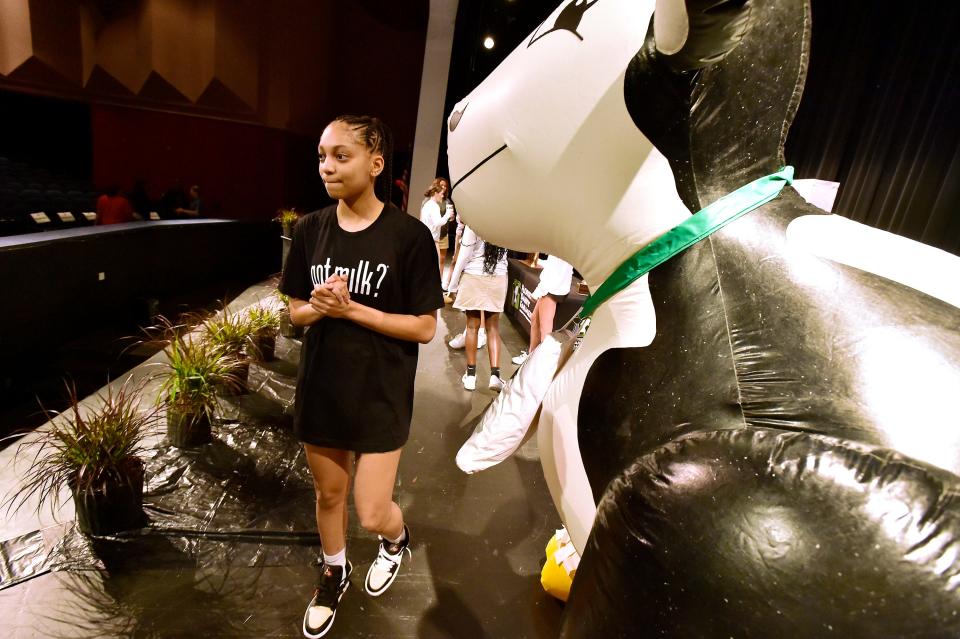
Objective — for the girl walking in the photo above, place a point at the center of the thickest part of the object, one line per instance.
(481, 290)
(363, 276)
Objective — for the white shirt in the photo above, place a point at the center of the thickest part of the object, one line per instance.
(470, 258)
(554, 278)
(430, 215)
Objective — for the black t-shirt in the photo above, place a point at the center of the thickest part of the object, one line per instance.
(355, 386)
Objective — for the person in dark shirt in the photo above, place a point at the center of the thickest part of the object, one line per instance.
(364, 277)
(140, 201)
(192, 209)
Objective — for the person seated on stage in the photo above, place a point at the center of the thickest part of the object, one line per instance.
(193, 206)
(113, 207)
(553, 289)
(140, 201)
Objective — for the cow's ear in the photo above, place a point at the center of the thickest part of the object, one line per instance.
(692, 34)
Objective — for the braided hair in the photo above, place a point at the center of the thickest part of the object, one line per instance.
(492, 254)
(374, 134)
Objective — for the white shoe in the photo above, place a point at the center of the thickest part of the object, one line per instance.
(469, 382)
(458, 342)
(496, 384)
(521, 358)
(386, 566)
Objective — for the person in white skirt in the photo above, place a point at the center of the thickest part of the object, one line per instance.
(480, 278)
(553, 288)
(459, 341)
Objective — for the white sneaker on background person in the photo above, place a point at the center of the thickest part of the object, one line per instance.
(469, 382)
(460, 341)
(496, 384)
(520, 358)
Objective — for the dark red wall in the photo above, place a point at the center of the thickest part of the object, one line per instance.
(239, 167)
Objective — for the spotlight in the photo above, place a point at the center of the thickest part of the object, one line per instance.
(488, 42)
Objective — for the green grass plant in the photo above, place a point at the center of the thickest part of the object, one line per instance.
(265, 319)
(230, 331)
(86, 447)
(195, 367)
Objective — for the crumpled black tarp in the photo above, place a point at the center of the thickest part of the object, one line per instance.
(243, 500)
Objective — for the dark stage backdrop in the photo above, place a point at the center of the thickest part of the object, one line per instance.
(244, 170)
(46, 132)
(879, 115)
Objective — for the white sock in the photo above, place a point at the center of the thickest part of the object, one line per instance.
(399, 539)
(339, 559)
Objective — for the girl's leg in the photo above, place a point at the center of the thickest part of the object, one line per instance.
(535, 326)
(373, 494)
(473, 327)
(330, 468)
(378, 513)
(548, 310)
(331, 481)
(443, 257)
(492, 323)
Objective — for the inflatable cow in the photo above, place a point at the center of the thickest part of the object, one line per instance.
(761, 436)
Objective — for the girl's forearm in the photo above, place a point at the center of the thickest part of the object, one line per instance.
(303, 314)
(412, 328)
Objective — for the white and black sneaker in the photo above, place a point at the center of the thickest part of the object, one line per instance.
(322, 609)
(385, 567)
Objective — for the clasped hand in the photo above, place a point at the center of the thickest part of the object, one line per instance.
(332, 298)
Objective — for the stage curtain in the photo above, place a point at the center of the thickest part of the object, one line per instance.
(880, 114)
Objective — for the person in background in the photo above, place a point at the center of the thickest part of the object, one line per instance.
(480, 276)
(435, 218)
(192, 209)
(553, 288)
(401, 183)
(140, 201)
(459, 341)
(113, 207)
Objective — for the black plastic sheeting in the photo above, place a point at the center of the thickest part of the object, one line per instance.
(23, 557)
(242, 500)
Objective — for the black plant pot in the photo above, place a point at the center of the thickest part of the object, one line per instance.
(265, 347)
(114, 506)
(238, 386)
(186, 429)
(287, 329)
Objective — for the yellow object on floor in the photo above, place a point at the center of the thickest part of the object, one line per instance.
(561, 565)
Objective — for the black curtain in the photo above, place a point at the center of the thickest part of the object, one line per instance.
(879, 115)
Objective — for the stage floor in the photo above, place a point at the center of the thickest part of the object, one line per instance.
(231, 537)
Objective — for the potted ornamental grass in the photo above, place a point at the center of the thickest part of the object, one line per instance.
(234, 335)
(266, 325)
(191, 377)
(287, 327)
(287, 218)
(94, 449)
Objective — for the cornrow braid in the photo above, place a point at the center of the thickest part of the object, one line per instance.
(374, 134)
